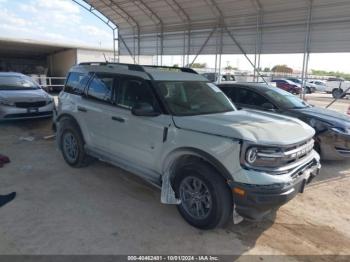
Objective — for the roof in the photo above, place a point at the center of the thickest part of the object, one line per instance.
(153, 27)
(145, 72)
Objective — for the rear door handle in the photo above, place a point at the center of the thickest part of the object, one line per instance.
(119, 119)
(82, 109)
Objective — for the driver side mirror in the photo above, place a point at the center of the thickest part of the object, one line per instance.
(144, 109)
(269, 107)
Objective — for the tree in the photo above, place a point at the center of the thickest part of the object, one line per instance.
(331, 73)
(176, 65)
(267, 69)
(282, 69)
(199, 65)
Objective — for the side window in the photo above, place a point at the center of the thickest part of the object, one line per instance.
(101, 88)
(76, 83)
(251, 98)
(229, 91)
(135, 91)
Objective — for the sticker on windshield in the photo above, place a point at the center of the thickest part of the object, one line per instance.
(214, 87)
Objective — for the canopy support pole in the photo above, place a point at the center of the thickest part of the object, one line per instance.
(220, 50)
(245, 54)
(306, 56)
(203, 46)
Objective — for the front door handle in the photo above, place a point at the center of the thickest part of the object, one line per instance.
(82, 109)
(119, 119)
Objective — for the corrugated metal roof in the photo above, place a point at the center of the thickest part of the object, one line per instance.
(169, 23)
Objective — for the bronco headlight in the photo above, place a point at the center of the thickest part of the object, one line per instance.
(254, 156)
(251, 155)
(6, 102)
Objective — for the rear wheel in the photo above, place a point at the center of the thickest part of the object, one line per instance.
(206, 201)
(308, 90)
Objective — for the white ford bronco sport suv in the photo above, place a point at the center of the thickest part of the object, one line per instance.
(175, 129)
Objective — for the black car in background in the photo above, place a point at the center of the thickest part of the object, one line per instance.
(332, 139)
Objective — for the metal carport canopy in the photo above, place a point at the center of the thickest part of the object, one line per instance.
(183, 27)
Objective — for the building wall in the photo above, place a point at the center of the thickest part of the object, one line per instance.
(61, 62)
(84, 55)
(25, 66)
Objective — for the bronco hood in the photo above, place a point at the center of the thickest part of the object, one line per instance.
(255, 126)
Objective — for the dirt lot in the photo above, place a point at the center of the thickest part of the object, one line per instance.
(104, 210)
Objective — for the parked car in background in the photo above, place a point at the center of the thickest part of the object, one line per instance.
(337, 87)
(319, 85)
(177, 130)
(21, 97)
(214, 78)
(288, 86)
(332, 138)
(309, 87)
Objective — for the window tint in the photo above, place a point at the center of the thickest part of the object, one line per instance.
(226, 89)
(76, 83)
(193, 98)
(248, 97)
(101, 87)
(229, 91)
(134, 91)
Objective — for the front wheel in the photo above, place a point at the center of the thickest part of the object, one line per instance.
(206, 200)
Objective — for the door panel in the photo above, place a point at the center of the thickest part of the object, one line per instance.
(97, 109)
(134, 138)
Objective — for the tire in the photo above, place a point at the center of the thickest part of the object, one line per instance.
(337, 93)
(308, 90)
(70, 131)
(216, 204)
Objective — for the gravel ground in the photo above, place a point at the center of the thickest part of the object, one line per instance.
(104, 210)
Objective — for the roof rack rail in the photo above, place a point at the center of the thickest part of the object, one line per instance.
(130, 66)
(182, 69)
(141, 68)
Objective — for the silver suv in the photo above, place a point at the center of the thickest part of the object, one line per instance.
(180, 132)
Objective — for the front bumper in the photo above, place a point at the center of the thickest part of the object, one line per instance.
(14, 113)
(259, 200)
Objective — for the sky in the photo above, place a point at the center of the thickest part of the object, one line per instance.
(59, 21)
(63, 21)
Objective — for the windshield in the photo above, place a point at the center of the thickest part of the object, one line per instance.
(17, 83)
(286, 99)
(193, 98)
